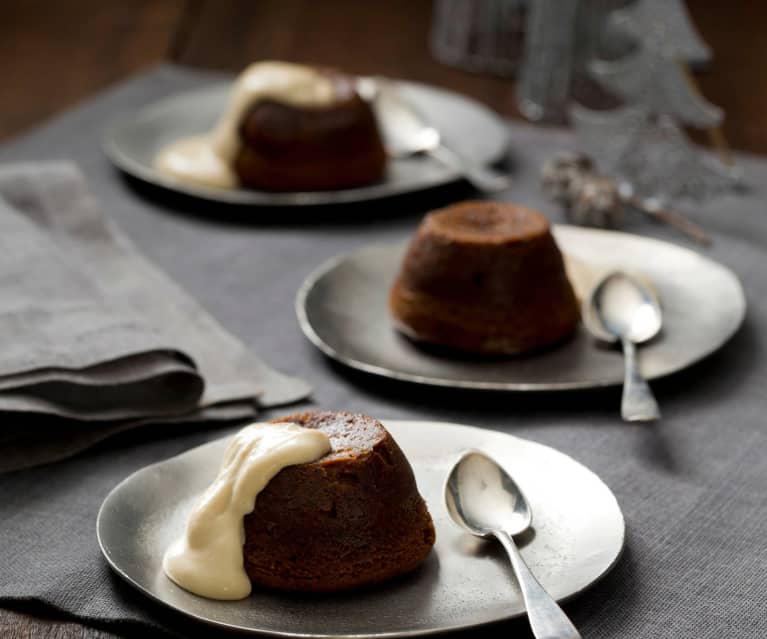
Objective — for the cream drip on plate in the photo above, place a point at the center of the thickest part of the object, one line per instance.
(208, 559)
(208, 159)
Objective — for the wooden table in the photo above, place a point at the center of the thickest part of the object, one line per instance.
(82, 45)
(58, 53)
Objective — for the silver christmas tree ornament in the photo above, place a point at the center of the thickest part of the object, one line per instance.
(655, 74)
(642, 143)
(672, 30)
(651, 154)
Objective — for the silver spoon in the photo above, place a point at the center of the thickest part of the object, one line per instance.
(622, 309)
(483, 499)
(406, 132)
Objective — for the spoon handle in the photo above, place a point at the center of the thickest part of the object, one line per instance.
(483, 178)
(638, 404)
(547, 619)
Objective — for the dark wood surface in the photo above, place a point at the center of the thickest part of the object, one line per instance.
(80, 46)
(58, 53)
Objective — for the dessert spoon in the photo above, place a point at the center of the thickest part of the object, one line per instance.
(485, 501)
(620, 308)
(406, 132)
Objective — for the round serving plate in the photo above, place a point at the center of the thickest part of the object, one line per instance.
(469, 128)
(342, 309)
(578, 534)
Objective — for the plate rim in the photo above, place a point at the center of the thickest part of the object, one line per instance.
(112, 494)
(494, 386)
(257, 198)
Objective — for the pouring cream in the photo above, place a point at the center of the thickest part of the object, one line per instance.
(208, 159)
(207, 560)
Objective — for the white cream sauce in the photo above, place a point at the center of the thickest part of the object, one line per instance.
(208, 559)
(208, 159)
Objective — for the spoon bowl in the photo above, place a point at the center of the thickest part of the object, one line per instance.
(482, 498)
(624, 307)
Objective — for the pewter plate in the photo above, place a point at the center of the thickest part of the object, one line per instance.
(342, 309)
(578, 534)
(468, 127)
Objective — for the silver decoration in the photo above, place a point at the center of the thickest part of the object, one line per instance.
(499, 36)
(659, 84)
(597, 203)
(652, 75)
(650, 153)
(642, 143)
(550, 43)
(560, 175)
(588, 198)
(479, 36)
(543, 89)
(563, 37)
(672, 31)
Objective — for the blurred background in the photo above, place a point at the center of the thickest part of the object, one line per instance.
(58, 53)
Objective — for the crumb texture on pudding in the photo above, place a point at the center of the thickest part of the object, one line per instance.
(484, 277)
(483, 222)
(352, 518)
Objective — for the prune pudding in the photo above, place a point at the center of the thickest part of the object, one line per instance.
(485, 278)
(286, 127)
(312, 502)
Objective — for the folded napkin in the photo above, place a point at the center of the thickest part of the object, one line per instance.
(95, 339)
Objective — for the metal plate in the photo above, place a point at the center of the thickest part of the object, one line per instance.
(342, 308)
(471, 129)
(578, 534)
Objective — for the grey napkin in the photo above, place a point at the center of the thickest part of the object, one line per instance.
(94, 333)
(692, 487)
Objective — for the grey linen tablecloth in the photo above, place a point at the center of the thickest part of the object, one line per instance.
(693, 487)
(96, 340)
